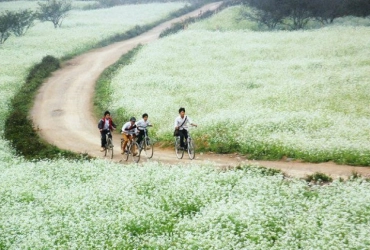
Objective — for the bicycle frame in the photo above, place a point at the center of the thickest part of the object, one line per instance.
(108, 145)
(132, 142)
(190, 147)
(146, 143)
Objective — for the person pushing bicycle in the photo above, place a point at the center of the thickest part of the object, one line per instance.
(105, 125)
(181, 124)
(141, 125)
(128, 134)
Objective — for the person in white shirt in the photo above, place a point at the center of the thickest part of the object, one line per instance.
(128, 134)
(143, 123)
(181, 123)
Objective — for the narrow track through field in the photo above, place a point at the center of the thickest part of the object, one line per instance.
(63, 112)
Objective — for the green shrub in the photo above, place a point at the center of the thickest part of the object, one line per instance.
(318, 178)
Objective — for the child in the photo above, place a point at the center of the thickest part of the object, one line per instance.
(128, 133)
(143, 123)
(181, 124)
(105, 125)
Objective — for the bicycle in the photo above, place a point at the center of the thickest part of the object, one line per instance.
(146, 144)
(108, 147)
(180, 151)
(129, 148)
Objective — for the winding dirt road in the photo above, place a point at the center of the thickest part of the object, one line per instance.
(63, 112)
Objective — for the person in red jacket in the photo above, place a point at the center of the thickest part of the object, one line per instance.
(106, 125)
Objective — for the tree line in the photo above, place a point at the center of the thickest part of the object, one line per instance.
(297, 13)
(18, 22)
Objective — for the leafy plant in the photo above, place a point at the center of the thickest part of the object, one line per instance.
(6, 25)
(318, 178)
(23, 20)
(54, 11)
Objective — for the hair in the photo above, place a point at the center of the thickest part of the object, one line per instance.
(106, 113)
(181, 109)
(144, 115)
(132, 119)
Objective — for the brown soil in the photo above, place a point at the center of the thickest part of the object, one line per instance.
(63, 112)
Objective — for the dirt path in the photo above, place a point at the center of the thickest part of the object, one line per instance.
(63, 111)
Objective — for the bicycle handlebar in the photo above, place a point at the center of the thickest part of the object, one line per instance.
(144, 127)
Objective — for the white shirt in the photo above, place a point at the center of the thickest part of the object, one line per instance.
(179, 121)
(106, 124)
(142, 124)
(128, 132)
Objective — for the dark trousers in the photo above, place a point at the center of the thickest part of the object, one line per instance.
(140, 136)
(103, 134)
(183, 134)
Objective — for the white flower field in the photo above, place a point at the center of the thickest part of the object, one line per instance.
(101, 205)
(298, 93)
(303, 90)
(80, 30)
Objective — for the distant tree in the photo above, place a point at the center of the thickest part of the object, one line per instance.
(267, 12)
(325, 11)
(300, 11)
(22, 21)
(110, 3)
(273, 12)
(6, 24)
(54, 11)
(359, 8)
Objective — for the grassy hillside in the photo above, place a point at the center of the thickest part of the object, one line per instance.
(301, 94)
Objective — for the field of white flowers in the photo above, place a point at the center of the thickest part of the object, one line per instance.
(97, 204)
(33, 5)
(303, 94)
(101, 205)
(80, 30)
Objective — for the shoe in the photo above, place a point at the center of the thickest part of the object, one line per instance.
(102, 149)
(122, 152)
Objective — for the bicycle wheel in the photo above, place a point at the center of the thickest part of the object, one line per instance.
(109, 148)
(148, 147)
(179, 151)
(191, 149)
(136, 156)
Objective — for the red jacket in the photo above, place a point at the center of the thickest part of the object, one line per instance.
(111, 124)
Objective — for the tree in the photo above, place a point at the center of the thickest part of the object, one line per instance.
(300, 11)
(6, 24)
(325, 11)
(54, 11)
(359, 8)
(22, 21)
(267, 12)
